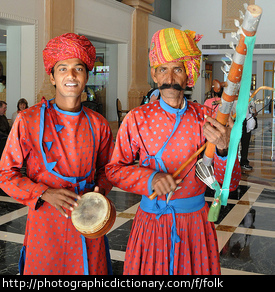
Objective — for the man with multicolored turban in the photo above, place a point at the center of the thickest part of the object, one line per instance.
(66, 148)
(170, 234)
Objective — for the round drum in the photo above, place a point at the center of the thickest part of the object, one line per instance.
(94, 216)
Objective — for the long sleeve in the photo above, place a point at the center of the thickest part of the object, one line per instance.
(122, 170)
(106, 146)
(20, 187)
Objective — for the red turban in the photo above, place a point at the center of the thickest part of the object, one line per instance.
(69, 46)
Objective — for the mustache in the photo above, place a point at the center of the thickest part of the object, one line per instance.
(168, 86)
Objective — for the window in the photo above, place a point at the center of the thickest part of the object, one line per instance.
(231, 11)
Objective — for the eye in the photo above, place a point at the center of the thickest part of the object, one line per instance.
(178, 70)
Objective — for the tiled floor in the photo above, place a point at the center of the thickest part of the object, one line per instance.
(245, 229)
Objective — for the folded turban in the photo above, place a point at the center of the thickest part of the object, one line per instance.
(69, 46)
(174, 45)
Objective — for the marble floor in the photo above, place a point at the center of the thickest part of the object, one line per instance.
(245, 228)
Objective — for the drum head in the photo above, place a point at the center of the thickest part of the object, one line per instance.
(91, 214)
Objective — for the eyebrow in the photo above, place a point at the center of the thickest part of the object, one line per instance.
(78, 64)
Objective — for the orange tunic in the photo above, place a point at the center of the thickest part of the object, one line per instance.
(62, 150)
(165, 233)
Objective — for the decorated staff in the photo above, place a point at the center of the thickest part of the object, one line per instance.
(240, 71)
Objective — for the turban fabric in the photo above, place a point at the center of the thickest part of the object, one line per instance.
(174, 45)
(69, 46)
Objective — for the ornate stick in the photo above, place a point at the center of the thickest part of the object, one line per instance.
(248, 28)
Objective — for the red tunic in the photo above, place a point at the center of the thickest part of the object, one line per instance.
(145, 130)
(53, 245)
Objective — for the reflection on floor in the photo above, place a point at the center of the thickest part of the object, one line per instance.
(245, 229)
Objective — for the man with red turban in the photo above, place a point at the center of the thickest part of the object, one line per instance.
(66, 148)
(170, 235)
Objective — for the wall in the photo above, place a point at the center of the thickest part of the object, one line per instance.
(109, 21)
(28, 17)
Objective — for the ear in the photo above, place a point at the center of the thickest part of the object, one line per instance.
(52, 79)
(153, 74)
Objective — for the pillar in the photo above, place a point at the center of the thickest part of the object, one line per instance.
(139, 63)
(59, 19)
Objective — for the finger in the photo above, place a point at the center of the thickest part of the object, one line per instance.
(172, 183)
(230, 122)
(96, 189)
(66, 205)
(215, 123)
(71, 194)
(64, 200)
(178, 181)
(163, 186)
(61, 210)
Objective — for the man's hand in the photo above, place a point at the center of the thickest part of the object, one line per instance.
(164, 183)
(217, 133)
(60, 199)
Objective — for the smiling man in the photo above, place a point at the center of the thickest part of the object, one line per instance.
(170, 235)
(66, 148)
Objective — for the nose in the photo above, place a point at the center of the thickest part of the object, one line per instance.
(71, 73)
(170, 77)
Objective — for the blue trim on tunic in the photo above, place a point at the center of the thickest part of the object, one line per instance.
(80, 180)
(160, 207)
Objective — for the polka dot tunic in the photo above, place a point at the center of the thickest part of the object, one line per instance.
(145, 130)
(59, 146)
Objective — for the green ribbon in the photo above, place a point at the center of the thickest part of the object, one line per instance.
(221, 195)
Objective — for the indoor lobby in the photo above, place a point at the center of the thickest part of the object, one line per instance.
(121, 32)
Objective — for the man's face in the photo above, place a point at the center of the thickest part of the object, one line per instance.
(3, 110)
(70, 78)
(172, 73)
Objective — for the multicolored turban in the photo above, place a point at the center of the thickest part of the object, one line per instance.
(174, 45)
(69, 46)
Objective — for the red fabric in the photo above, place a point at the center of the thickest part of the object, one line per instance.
(53, 245)
(149, 245)
(145, 129)
(69, 46)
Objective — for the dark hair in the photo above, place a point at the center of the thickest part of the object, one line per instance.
(2, 102)
(22, 100)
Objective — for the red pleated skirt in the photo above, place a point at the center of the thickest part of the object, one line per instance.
(148, 248)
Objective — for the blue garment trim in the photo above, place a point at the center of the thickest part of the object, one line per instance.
(22, 258)
(50, 165)
(224, 158)
(160, 207)
(149, 184)
(184, 205)
(58, 128)
(66, 112)
(49, 145)
(85, 255)
(158, 160)
(108, 256)
(172, 110)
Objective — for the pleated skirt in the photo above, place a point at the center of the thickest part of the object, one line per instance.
(148, 248)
